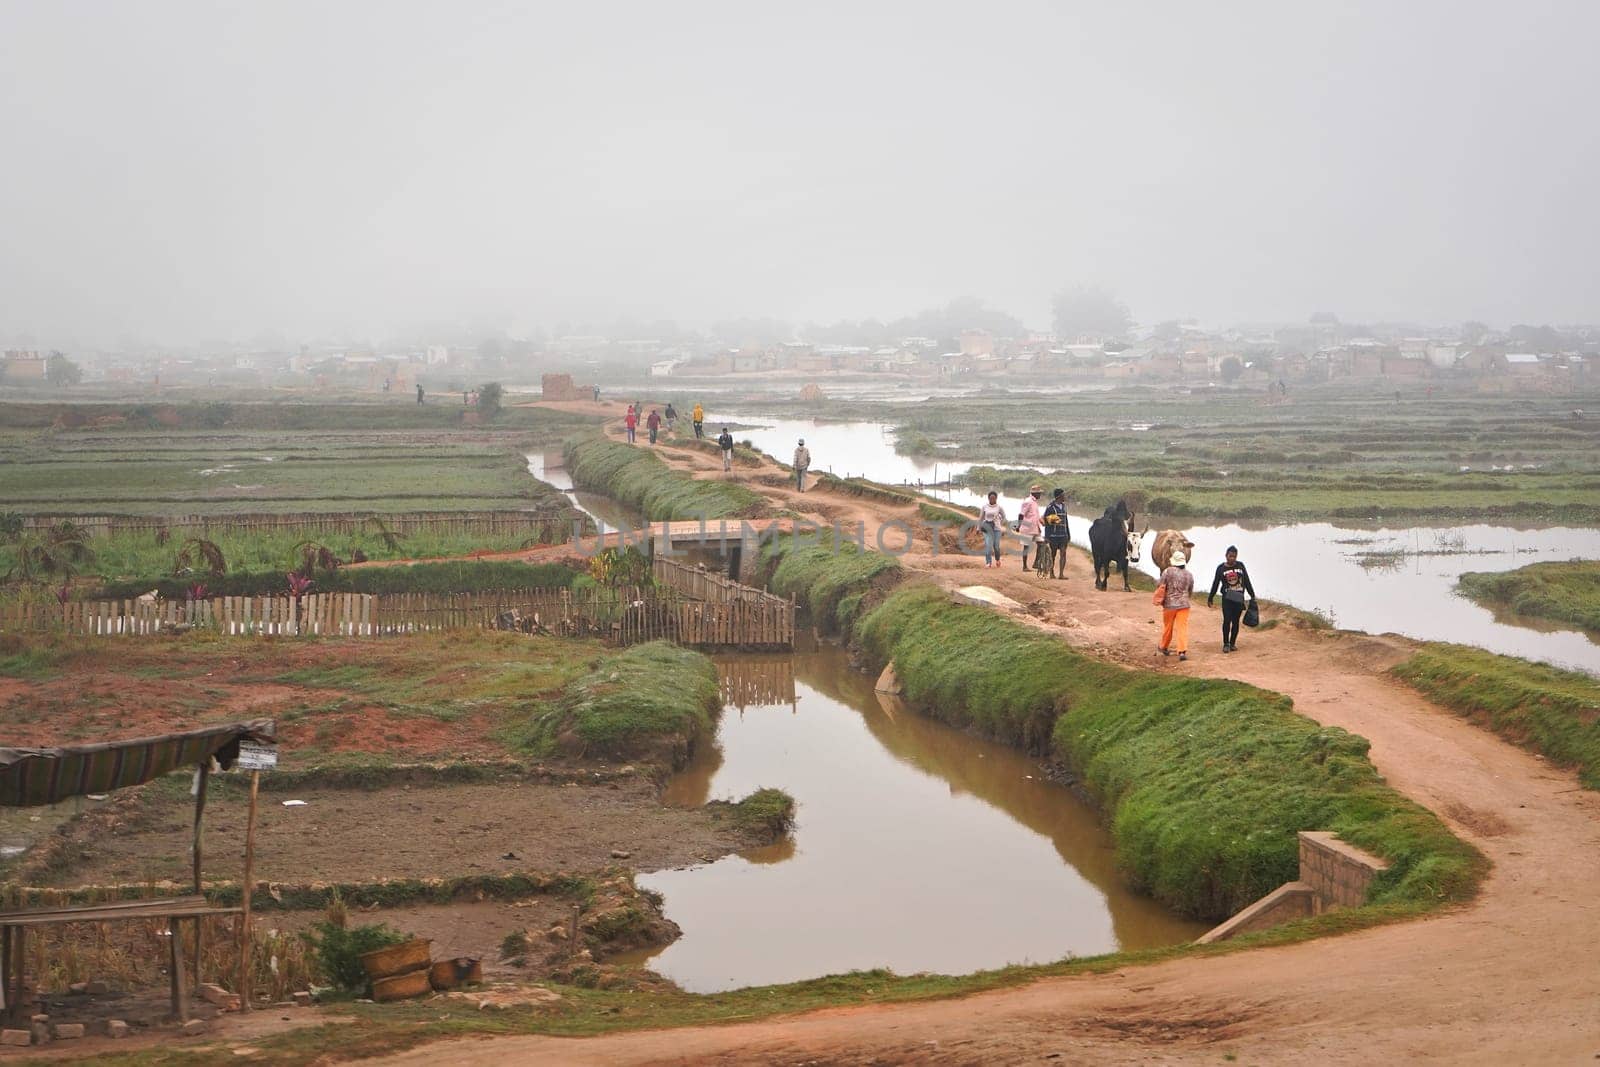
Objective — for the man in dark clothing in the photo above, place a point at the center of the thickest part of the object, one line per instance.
(653, 424)
(419, 394)
(1234, 581)
(1056, 534)
(725, 442)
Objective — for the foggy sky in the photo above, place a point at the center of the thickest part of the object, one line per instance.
(178, 171)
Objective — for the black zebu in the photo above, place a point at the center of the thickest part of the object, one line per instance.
(1112, 540)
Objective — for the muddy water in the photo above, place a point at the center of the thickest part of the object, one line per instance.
(608, 514)
(1378, 580)
(917, 847)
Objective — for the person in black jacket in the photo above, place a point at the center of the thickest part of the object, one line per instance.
(725, 442)
(1234, 581)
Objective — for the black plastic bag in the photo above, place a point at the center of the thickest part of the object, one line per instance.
(1252, 614)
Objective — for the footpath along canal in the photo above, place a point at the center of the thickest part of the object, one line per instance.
(1377, 579)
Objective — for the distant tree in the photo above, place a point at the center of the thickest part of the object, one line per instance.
(1089, 311)
(489, 397)
(1232, 367)
(59, 370)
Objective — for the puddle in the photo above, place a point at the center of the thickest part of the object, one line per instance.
(917, 847)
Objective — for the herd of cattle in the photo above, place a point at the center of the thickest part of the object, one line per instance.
(1113, 539)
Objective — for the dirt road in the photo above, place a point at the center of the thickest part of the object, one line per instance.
(1512, 978)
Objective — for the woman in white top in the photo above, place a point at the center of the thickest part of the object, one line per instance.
(991, 520)
(1029, 521)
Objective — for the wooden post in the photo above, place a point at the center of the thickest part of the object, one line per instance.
(180, 987)
(19, 964)
(199, 818)
(246, 937)
(5, 970)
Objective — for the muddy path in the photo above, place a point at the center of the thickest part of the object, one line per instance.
(1510, 978)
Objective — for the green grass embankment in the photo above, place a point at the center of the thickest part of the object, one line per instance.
(1548, 710)
(1206, 783)
(636, 476)
(634, 704)
(1561, 592)
(835, 587)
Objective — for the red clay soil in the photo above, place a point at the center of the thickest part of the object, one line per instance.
(112, 695)
(1510, 978)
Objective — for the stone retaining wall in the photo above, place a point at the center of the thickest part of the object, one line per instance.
(1333, 874)
(1338, 873)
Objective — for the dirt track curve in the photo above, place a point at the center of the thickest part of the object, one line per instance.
(1511, 978)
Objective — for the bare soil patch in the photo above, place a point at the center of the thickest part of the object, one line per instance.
(349, 835)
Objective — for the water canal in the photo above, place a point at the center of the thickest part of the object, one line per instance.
(917, 847)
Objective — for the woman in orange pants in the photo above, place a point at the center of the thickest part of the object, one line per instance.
(1179, 584)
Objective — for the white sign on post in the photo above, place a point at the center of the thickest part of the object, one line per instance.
(254, 756)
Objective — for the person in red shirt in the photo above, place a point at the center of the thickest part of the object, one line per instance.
(631, 421)
(653, 424)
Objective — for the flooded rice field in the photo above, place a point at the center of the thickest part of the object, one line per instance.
(901, 823)
(1379, 580)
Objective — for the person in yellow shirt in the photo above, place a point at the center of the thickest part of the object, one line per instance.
(698, 417)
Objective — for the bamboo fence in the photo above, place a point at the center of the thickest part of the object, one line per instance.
(622, 617)
(532, 522)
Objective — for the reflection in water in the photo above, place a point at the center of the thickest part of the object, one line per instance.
(917, 848)
(608, 515)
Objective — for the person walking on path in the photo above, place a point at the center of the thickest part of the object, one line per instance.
(631, 421)
(1176, 585)
(1234, 581)
(653, 424)
(1030, 521)
(419, 392)
(672, 418)
(698, 416)
(725, 442)
(991, 520)
(802, 463)
(1056, 534)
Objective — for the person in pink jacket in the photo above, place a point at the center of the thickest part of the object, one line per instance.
(1029, 521)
